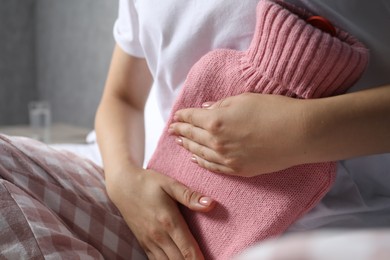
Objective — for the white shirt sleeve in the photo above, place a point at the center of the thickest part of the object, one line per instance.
(126, 29)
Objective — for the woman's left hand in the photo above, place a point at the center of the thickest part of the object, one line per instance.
(245, 135)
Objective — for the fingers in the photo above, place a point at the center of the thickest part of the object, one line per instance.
(176, 242)
(180, 244)
(200, 117)
(212, 166)
(188, 247)
(162, 247)
(176, 226)
(190, 132)
(202, 126)
(188, 197)
(200, 150)
(194, 116)
(205, 157)
(155, 252)
(207, 153)
(169, 237)
(150, 209)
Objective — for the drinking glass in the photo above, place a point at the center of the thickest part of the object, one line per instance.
(40, 120)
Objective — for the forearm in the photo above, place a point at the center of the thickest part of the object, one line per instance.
(120, 134)
(119, 119)
(347, 126)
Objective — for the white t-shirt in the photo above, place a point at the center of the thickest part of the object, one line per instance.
(173, 34)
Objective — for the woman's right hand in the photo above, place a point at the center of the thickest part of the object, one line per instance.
(147, 201)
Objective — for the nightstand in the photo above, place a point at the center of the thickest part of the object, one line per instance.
(59, 133)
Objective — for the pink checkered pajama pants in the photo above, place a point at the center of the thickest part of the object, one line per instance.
(53, 205)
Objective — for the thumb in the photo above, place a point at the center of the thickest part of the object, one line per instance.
(190, 198)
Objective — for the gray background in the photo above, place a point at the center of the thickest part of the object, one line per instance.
(57, 50)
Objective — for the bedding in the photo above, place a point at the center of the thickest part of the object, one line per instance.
(27, 224)
(88, 150)
(334, 244)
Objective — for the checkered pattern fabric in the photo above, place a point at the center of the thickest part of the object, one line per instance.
(54, 206)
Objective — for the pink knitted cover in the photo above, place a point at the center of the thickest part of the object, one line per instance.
(287, 56)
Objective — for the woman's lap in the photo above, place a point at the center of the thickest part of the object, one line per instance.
(54, 205)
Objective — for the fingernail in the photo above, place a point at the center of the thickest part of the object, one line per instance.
(179, 141)
(193, 159)
(207, 104)
(205, 201)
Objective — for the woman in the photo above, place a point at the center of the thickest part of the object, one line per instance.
(167, 40)
(49, 210)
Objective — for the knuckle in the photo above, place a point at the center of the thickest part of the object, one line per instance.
(188, 253)
(230, 162)
(189, 132)
(202, 152)
(185, 143)
(165, 221)
(215, 126)
(233, 164)
(159, 255)
(175, 184)
(218, 146)
(211, 167)
(188, 195)
(202, 164)
(190, 117)
(156, 235)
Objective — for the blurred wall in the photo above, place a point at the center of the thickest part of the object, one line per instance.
(58, 50)
(73, 47)
(17, 59)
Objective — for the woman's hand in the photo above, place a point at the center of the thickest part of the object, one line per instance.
(245, 135)
(147, 201)
(251, 134)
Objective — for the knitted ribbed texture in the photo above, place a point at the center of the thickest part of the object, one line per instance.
(289, 57)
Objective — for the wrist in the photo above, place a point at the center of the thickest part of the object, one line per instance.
(324, 128)
(303, 146)
(347, 126)
(121, 179)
